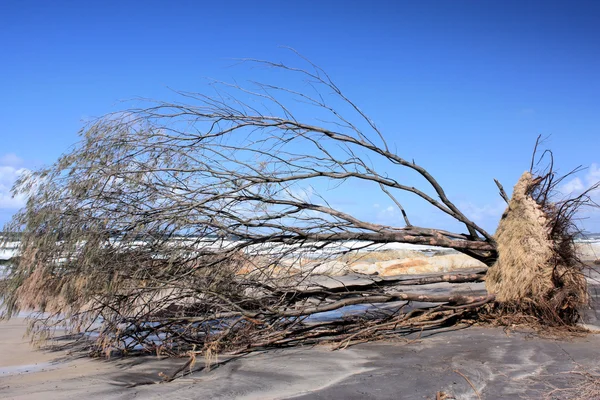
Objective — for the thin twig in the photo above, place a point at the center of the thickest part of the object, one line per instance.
(469, 382)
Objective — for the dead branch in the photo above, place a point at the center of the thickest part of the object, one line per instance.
(200, 225)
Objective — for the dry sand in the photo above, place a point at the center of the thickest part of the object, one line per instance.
(31, 374)
(500, 365)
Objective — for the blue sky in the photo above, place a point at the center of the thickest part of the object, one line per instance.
(464, 87)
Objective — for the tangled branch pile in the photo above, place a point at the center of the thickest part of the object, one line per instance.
(177, 228)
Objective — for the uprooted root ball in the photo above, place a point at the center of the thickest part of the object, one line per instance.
(537, 271)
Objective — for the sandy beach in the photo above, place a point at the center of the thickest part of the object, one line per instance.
(499, 363)
(300, 200)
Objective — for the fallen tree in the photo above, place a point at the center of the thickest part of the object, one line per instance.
(179, 228)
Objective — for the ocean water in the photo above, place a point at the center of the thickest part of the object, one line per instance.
(589, 246)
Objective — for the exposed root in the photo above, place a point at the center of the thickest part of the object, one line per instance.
(516, 319)
(538, 273)
(469, 382)
(583, 385)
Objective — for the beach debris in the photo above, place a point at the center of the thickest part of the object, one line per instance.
(197, 229)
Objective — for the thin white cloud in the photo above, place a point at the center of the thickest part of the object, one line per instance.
(304, 194)
(527, 111)
(578, 184)
(389, 215)
(484, 213)
(572, 186)
(11, 160)
(589, 217)
(10, 171)
(593, 174)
